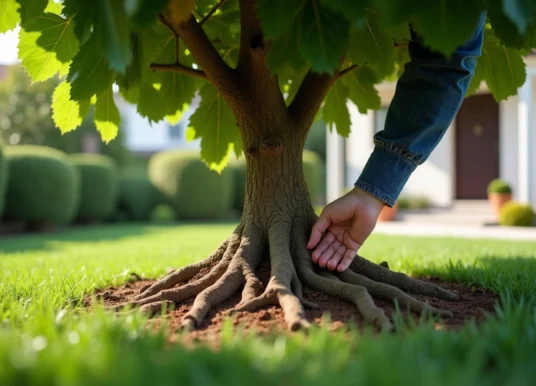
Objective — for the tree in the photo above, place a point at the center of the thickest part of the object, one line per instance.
(25, 118)
(265, 71)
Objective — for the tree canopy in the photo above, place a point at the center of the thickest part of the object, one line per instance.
(96, 47)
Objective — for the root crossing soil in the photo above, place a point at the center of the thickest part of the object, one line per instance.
(473, 304)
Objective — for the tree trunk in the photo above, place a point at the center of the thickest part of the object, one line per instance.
(275, 225)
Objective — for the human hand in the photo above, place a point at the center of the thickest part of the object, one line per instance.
(349, 221)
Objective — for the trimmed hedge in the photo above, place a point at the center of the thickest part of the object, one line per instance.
(516, 214)
(137, 195)
(189, 187)
(43, 185)
(238, 170)
(3, 177)
(99, 186)
(314, 178)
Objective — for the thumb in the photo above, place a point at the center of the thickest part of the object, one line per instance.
(321, 225)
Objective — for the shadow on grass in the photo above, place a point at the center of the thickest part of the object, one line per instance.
(25, 242)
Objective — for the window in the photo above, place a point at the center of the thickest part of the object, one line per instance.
(176, 132)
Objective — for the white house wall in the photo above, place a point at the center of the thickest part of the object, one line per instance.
(433, 179)
(142, 136)
(508, 139)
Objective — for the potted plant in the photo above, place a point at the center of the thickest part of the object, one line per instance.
(388, 213)
(499, 193)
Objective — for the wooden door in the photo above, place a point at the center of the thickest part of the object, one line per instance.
(477, 146)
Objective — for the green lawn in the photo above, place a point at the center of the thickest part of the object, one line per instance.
(43, 344)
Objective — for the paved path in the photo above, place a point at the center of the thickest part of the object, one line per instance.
(470, 219)
(450, 230)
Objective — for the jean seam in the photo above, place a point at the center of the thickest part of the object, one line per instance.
(398, 152)
(390, 201)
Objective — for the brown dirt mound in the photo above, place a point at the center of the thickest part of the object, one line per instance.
(473, 304)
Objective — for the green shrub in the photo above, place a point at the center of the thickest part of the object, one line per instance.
(162, 213)
(419, 202)
(3, 177)
(99, 186)
(137, 196)
(43, 185)
(312, 171)
(516, 214)
(499, 186)
(187, 184)
(238, 171)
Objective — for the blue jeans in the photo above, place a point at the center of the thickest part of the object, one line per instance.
(427, 98)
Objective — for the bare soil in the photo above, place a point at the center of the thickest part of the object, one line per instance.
(473, 304)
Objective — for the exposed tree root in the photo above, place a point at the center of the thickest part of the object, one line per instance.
(188, 272)
(233, 266)
(390, 293)
(383, 274)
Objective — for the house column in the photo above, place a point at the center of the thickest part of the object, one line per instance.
(525, 158)
(335, 164)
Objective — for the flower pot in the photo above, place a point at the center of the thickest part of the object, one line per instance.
(388, 214)
(497, 201)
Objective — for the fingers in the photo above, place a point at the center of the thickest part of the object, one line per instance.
(336, 258)
(326, 242)
(321, 225)
(349, 256)
(328, 253)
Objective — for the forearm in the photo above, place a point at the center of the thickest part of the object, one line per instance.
(427, 98)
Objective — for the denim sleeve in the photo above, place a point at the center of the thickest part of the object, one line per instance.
(428, 96)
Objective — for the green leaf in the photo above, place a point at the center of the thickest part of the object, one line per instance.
(443, 25)
(293, 81)
(115, 30)
(30, 9)
(54, 7)
(448, 24)
(477, 79)
(107, 116)
(373, 44)
(66, 113)
(151, 103)
(278, 56)
(177, 89)
(145, 12)
(506, 31)
(520, 12)
(46, 46)
(335, 111)
(145, 49)
(504, 68)
(324, 37)
(9, 15)
(83, 13)
(215, 124)
(361, 91)
(89, 73)
(353, 10)
(277, 16)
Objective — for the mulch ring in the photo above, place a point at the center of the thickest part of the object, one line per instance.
(473, 304)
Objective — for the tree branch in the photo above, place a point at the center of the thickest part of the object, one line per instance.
(177, 67)
(212, 11)
(251, 34)
(346, 70)
(205, 54)
(309, 97)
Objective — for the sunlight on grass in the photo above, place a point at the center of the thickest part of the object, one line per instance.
(43, 341)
